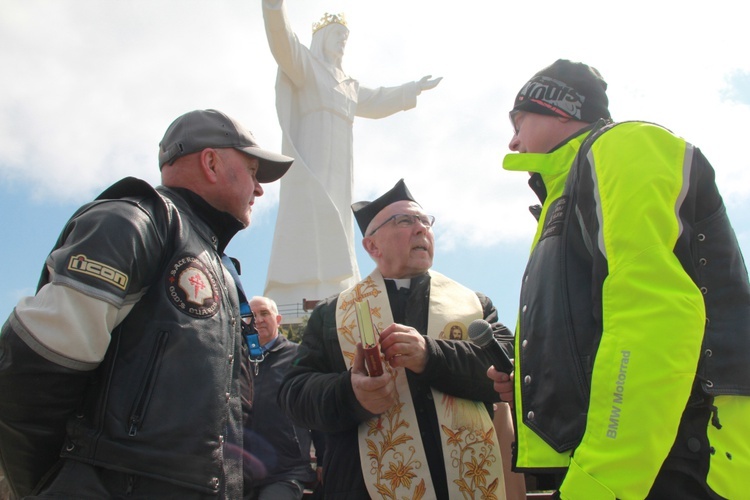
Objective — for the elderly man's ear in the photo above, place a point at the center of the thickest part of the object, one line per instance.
(370, 247)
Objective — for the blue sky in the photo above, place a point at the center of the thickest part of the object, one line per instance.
(89, 86)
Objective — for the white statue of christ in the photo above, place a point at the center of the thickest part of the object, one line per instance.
(313, 253)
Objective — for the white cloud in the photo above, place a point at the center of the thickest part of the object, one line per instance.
(95, 83)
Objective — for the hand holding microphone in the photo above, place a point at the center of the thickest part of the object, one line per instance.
(502, 383)
(480, 332)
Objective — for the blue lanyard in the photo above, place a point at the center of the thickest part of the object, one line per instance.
(253, 344)
(248, 329)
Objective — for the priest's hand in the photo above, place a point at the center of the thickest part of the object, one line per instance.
(405, 347)
(375, 394)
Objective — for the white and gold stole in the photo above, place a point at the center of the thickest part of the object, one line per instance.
(393, 458)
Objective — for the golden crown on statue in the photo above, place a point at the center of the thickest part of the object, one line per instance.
(329, 19)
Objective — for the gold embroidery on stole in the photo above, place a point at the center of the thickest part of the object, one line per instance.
(393, 459)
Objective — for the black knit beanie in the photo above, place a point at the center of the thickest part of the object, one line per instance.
(570, 89)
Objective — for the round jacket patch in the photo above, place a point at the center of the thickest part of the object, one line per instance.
(192, 288)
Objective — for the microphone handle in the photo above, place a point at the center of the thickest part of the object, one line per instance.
(500, 359)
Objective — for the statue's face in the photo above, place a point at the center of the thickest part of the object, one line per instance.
(335, 43)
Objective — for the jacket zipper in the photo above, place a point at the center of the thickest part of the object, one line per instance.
(136, 416)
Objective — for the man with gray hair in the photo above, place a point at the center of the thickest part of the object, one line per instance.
(423, 428)
(280, 448)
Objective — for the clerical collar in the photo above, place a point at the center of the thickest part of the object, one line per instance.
(401, 283)
(224, 224)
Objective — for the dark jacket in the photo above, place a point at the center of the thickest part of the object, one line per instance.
(165, 400)
(317, 391)
(282, 447)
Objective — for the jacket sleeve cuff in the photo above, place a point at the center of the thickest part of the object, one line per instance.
(579, 485)
(434, 361)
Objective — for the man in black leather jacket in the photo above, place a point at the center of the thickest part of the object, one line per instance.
(122, 375)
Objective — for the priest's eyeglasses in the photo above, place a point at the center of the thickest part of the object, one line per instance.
(407, 220)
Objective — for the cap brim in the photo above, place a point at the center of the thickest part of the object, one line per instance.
(272, 166)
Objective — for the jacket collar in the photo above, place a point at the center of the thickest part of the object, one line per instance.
(547, 169)
(554, 163)
(222, 224)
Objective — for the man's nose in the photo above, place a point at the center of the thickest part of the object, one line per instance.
(514, 143)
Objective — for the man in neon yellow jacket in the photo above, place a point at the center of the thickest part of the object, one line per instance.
(632, 355)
